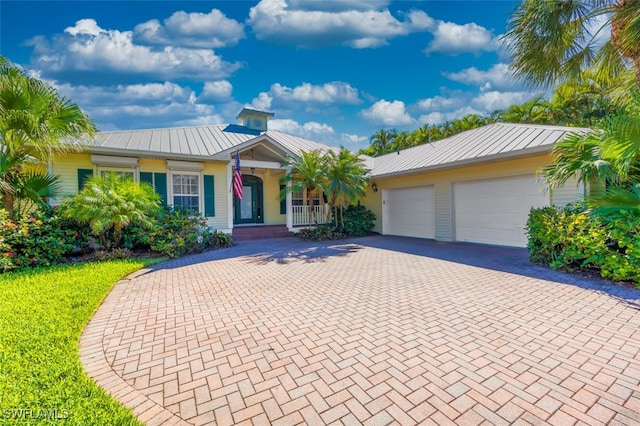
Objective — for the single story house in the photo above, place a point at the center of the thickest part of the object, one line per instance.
(477, 186)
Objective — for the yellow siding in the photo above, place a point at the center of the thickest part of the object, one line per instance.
(373, 201)
(219, 171)
(271, 190)
(66, 168)
(152, 165)
(443, 181)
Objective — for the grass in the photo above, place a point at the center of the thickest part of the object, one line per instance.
(42, 314)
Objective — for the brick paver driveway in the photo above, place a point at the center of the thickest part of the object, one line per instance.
(376, 330)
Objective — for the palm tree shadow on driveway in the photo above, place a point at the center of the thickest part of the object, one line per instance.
(284, 251)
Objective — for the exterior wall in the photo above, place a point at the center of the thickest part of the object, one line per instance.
(571, 191)
(221, 187)
(443, 181)
(373, 201)
(66, 168)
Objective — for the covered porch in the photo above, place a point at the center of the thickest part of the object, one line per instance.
(262, 169)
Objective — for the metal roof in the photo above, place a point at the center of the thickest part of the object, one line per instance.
(200, 141)
(494, 141)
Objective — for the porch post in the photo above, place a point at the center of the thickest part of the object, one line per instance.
(289, 202)
(230, 196)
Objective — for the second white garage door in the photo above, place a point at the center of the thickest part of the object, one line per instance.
(409, 212)
(496, 211)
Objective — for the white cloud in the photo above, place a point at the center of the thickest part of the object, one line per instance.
(453, 39)
(494, 100)
(311, 96)
(309, 129)
(88, 47)
(353, 139)
(335, 92)
(498, 77)
(387, 113)
(314, 24)
(152, 105)
(439, 102)
(200, 30)
(216, 91)
(440, 117)
(334, 6)
(262, 102)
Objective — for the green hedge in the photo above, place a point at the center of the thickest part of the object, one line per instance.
(572, 237)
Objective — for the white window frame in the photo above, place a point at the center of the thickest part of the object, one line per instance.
(170, 194)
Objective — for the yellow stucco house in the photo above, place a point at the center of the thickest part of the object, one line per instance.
(477, 186)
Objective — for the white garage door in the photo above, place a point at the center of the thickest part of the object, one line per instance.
(409, 212)
(495, 211)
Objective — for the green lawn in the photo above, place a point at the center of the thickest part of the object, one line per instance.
(42, 314)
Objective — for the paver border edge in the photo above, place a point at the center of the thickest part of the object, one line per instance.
(95, 364)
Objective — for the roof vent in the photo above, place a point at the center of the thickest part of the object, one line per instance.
(254, 119)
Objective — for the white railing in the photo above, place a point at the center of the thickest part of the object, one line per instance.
(302, 215)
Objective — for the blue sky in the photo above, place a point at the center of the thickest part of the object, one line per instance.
(332, 71)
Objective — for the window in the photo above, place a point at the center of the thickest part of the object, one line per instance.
(186, 191)
(121, 173)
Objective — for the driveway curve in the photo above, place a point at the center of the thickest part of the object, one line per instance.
(377, 330)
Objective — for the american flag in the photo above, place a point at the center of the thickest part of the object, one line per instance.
(237, 178)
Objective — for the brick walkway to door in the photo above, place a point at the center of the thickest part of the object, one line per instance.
(372, 331)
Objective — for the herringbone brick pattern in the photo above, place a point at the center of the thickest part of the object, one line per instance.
(288, 332)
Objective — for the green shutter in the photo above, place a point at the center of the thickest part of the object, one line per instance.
(83, 175)
(283, 202)
(209, 197)
(146, 177)
(161, 186)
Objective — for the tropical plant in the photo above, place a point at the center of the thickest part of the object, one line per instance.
(381, 141)
(109, 204)
(35, 122)
(346, 181)
(552, 41)
(307, 173)
(609, 154)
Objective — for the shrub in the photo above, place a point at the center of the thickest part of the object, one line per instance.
(109, 204)
(319, 233)
(358, 221)
(42, 238)
(175, 232)
(573, 237)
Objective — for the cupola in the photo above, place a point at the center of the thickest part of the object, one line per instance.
(254, 119)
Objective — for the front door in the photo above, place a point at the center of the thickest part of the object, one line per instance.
(250, 208)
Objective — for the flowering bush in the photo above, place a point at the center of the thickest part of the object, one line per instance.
(42, 238)
(174, 233)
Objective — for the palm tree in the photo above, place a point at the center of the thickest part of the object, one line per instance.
(609, 154)
(553, 41)
(112, 203)
(307, 174)
(535, 110)
(35, 122)
(346, 181)
(381, 141)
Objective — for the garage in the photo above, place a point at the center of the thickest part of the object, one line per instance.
(495, 211)
(409, 212)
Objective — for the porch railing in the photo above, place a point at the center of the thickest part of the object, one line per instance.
(302, 215)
